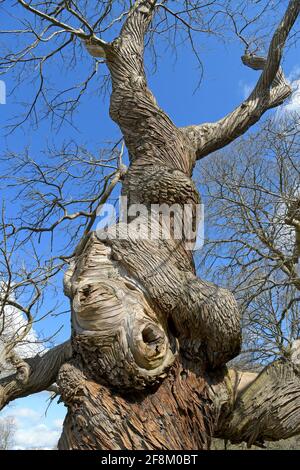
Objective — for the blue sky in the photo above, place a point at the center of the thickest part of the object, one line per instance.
(224, 85)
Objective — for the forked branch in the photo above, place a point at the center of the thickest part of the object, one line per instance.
(36, 374)
(270, 91)
(265, 406)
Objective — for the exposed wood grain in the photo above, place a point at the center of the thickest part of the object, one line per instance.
(150, 340)
(175, 415)
(41, 374)
(271, 90)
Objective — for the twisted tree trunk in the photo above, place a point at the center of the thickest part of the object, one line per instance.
(150, 340)
(146, 331)
(145, 328)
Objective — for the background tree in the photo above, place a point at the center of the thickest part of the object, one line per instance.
(253, 218)
(7, 431)
(146, 364)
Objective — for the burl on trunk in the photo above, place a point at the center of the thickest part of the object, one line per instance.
(150, 340)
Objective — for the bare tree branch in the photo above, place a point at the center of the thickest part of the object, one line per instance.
(41, 374)
(266, 406)
(270, 91)
(252, 197)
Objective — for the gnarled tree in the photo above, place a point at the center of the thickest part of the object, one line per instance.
(146, 364)
(252, 244)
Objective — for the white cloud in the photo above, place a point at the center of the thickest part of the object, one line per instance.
(246, 89)
(58, 423)
(292, 105)
(30, 345)
(295, 74)
(32, 429)
(14, 324)
(26, 413)
(40, 436)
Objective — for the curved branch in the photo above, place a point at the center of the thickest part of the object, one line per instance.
(270, 91)
(78, 32)
(138, 20)
(36, 374)
(159, 174)
(203, 316)
(149, 133)
(264, 406)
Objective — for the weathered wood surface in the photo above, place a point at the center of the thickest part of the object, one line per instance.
(150, 340)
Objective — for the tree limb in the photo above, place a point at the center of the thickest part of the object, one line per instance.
(53, 20)
(41, 374)
(138, 20)
(264, 406)
(270, 91)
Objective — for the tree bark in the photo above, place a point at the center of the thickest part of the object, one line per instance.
(145, 328)
(34, 375)
(266, 408)
(271, 90)
(175, 414)
(150, 340)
